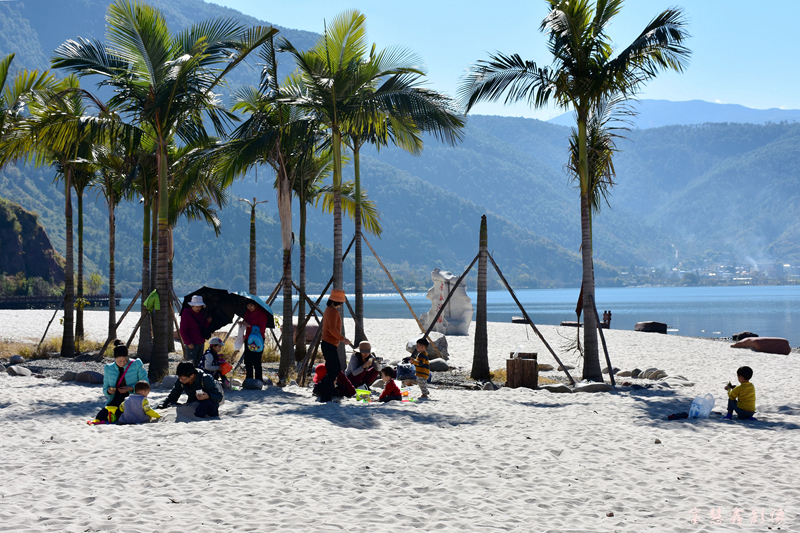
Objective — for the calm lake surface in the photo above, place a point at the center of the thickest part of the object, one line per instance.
(769, 311)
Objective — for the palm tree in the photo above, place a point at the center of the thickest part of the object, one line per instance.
(13, 97)
(114, 166)
(365, 97)
(165, 81)
(253, 285)
(83, 177)
(280, 135)
(61, 131)
(584, 70)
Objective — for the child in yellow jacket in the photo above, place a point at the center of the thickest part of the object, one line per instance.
(742, 398)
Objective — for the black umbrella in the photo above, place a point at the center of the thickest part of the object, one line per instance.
(221, 306)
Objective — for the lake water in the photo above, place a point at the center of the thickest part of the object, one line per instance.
(769, 311)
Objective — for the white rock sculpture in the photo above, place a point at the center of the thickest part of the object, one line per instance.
(456, 317)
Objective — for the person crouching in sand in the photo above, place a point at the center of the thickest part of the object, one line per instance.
(136, 409)
(390, 388)
(200, 388)
(742, 398)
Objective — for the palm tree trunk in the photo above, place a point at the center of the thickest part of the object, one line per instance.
(79, 310)
(170, 321)
(112, 282)
(480, 359)
(338, 274)
(159, 363)
(359, 274)
(285, 213)
(253, 281)
(68, 336)
(145, 332)
(300, 344)
(591, 360)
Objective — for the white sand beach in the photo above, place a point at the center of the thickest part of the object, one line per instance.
(506, 460)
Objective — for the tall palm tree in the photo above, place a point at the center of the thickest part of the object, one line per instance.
(166, 81)
(367, 96)
(280, 135)
(253, 280)
(114, 167)
(585, 69)
(61, 131)
(83, 177)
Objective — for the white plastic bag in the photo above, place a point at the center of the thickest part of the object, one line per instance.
(239, 342)
(702, 406)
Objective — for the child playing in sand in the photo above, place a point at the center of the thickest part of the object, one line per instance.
(136, 409)
(390, 389)
(742, 398)
(423, 367)
(212, 361)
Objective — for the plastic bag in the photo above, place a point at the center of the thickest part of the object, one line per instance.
(702, 406)
(237, 345)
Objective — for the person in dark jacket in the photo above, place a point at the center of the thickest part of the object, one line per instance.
(199, 387)
(194, 322)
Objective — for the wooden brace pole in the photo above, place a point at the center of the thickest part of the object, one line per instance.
(130, 306)
(528, 319)
(389, 275)
(48, 324)
(603, 340)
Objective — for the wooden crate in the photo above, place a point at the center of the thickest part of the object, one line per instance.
(522, 371)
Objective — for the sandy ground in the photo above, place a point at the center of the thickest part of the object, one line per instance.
(507, 460)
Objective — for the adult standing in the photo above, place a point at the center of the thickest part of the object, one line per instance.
(119, 379)
(331, 337)
(363, 368)
(193, 329)
(256, 317)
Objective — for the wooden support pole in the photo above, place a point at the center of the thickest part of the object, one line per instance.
(603, 340)
(274, 293)
(353, 314)
(130, 306)
(175, 320)
(139, 323)
(310, 358)
(528, 319)
(386, 270)
(48, 324)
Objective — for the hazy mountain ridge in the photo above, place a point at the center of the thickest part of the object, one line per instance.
(658, 113)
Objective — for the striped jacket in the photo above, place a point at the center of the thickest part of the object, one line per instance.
(422, 365)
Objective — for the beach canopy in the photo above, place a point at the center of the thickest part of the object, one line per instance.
(222, 306)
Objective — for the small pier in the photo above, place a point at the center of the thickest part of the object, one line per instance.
(51, 302)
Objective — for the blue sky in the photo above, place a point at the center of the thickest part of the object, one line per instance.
(743, 52)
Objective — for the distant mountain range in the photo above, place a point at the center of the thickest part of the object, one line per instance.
(684, 193)
(657, 113)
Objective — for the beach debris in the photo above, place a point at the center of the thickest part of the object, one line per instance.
(439, 365)
(89, 376)
(438, 339)
(614, 370)
(609, 513)
(743, 335)
(636, 372)
(775, 345)
(560, 387)
(459, 306)
(543, 367)
(593, 387)
(16, 370)
(16, 360)
(169, 381)
(657, 441)
(68, 376)
(651, 327)
(252, 384)
(568, 367)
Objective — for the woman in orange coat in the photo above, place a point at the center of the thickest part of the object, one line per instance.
(331, 337)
